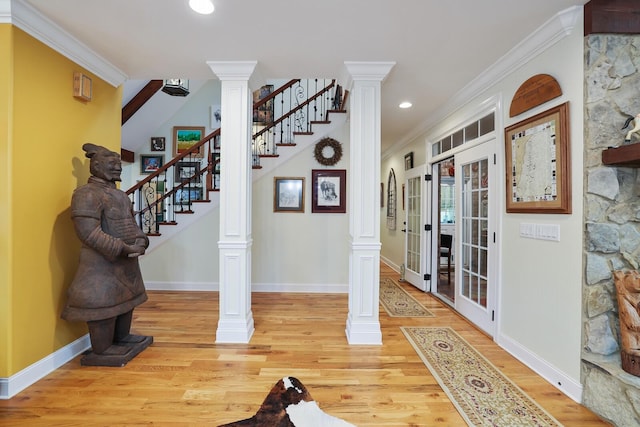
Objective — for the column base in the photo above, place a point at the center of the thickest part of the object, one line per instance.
(235, 331)
(363, 333)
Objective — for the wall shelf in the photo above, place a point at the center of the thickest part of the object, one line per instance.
(625, 155)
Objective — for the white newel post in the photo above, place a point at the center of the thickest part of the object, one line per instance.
(363, 322)
(235, 324)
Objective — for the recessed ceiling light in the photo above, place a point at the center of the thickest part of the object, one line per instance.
(204, 7)
(405, 104)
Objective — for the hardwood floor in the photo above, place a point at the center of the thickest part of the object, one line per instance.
(186, 379)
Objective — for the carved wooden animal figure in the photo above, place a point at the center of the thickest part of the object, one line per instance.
(628, 296)
(636, 127)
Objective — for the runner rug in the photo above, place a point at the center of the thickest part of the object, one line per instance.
(479, 391)
(398, 303)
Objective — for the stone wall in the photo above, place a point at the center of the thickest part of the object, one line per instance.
(612, 222)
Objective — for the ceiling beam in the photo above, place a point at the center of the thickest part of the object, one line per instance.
(139, 100)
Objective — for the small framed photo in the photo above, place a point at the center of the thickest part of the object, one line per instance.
(187, 195)
(288, 194)
(329, 190)
(157, 143)
(150, 163)
(408, 161)
(187, 172)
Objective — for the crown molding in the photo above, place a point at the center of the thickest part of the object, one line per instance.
(28, 19)
(548, 34)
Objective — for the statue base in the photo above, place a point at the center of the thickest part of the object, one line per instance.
(630, 363)
(119, 354)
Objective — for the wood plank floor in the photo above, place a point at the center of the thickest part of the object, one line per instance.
(185, 379)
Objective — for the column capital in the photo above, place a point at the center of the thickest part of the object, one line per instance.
(376, 71)
(232, 70)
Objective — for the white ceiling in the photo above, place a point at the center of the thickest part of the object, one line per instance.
(439, 47)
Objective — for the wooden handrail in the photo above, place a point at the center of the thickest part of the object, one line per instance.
(294, 110)
(272, 95)
(179, 157)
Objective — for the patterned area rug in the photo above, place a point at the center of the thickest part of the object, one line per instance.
(479, 391)
(398, 303)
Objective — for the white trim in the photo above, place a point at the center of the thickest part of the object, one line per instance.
(551, 32)
(553, 375)
(13, 385)
(313, 288)
(28, 19)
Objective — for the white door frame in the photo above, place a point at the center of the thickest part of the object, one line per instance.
(416, 278)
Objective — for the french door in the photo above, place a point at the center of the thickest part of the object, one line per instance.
(475, 272)
(413, 262)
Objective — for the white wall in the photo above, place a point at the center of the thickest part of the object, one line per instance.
(539, 284)
(392, 251)
(299, 252)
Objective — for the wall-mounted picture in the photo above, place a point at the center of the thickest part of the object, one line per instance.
(408, 161)
(288, 194)
(215, 116)
(186, 195)
(329, 190)
(537, 163)
(158, 143)
(187, 172)
(150, 163)
(185, 137)
(263, 113)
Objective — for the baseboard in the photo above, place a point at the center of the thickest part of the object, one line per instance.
(181, 286)
(554, 376)
(13, 385)
(391, 264)
(311, 288)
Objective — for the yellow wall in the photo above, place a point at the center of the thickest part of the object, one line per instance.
(47, 163)
(6, 61)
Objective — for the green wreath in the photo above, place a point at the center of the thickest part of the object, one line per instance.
(318, 152)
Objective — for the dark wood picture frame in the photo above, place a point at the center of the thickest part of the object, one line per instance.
(537, 163)
(329, 190)
(288, 194)
(158, 143)
(150, 163)
(185, 137)
(187, 195)
(187, 172)
(408, 161)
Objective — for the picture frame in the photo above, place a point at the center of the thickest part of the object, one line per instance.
(158, 143)
(329, 190)
(187, 195)
(150, 163)
(187, 172)
(538, 173)
(288, 194)
(185, 137)
(408, 161)
(264, 113)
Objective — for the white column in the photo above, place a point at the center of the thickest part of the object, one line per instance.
(363, 323)
(235, 324)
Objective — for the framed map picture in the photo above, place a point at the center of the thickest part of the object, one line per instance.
(538, 174)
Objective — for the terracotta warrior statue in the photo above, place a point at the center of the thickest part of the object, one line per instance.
(628, 295)
(108, 283)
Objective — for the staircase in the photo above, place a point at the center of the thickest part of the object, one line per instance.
(286, 121)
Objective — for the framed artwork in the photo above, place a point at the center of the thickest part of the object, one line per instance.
(150, 163)
(329, 190)
(288, 194)
(538, 173)
(187, 172)
(186, 195)
(263, 113)
(408, 161)
(185, 137)
(157, 143)
(215, 116)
